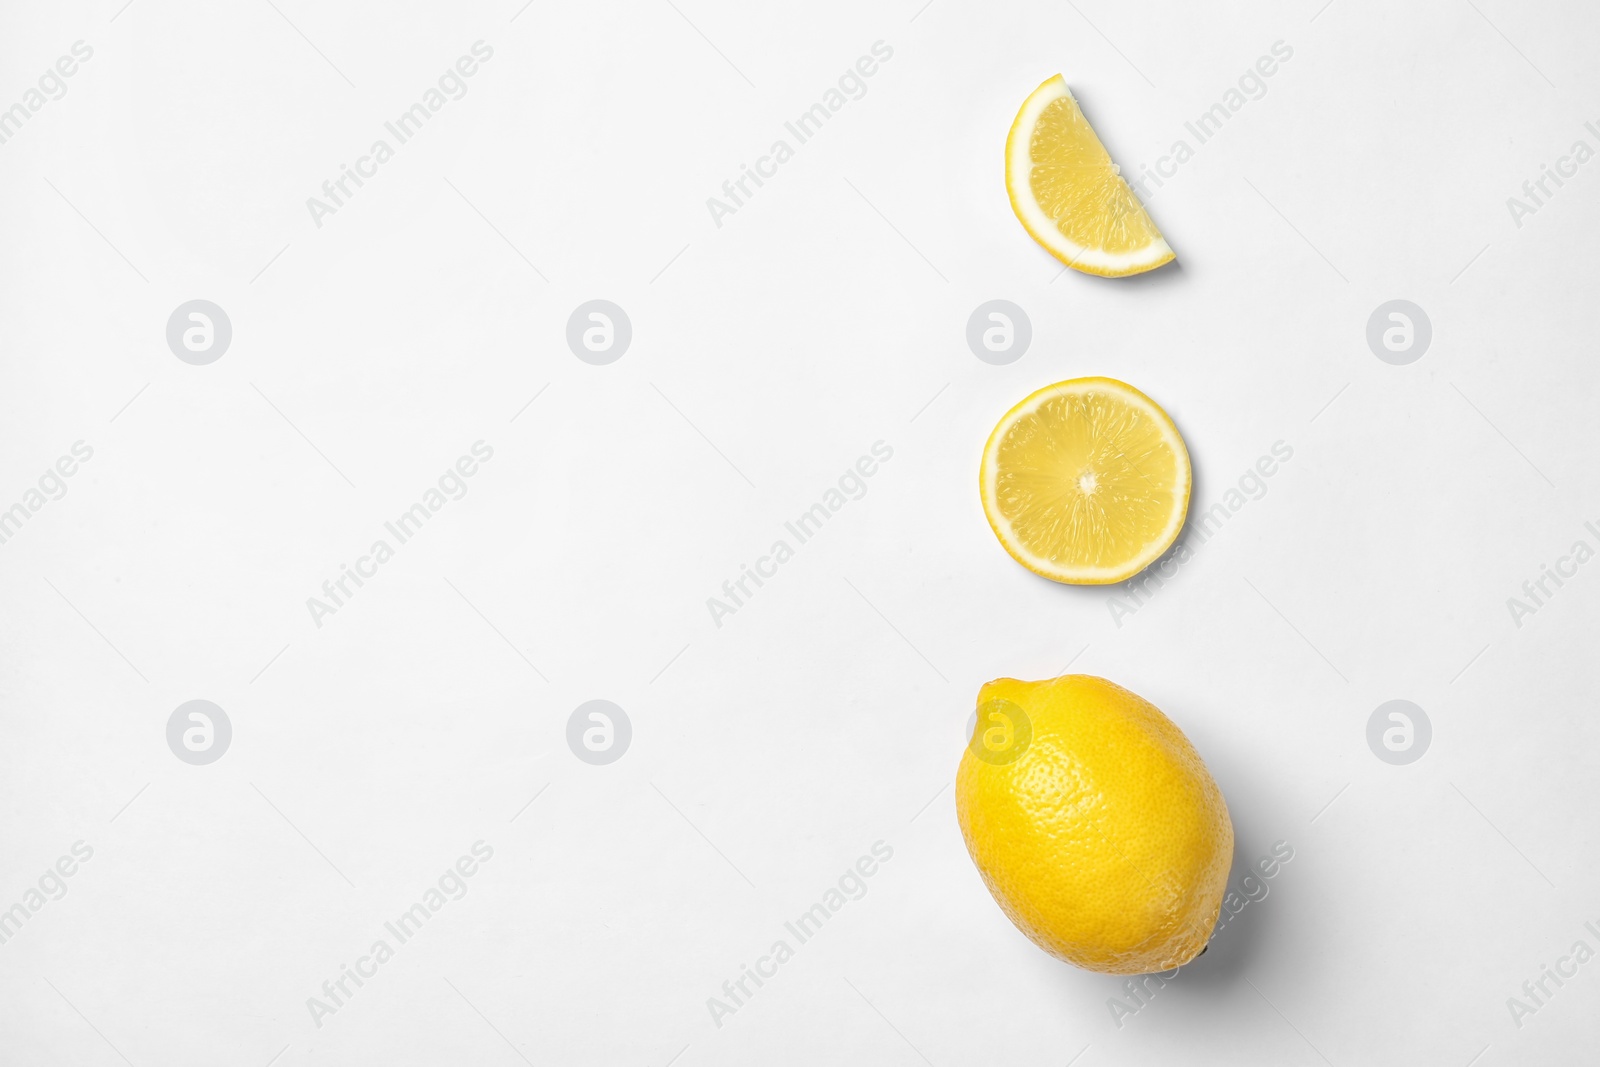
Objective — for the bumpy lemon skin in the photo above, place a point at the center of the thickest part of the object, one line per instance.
(1107, 842)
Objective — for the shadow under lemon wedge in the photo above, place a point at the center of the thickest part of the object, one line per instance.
(1070, 196)
(1085, 481)
(1094, 823)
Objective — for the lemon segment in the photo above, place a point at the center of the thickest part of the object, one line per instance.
(1099, 832)
(1070, 196)
(1085, 481)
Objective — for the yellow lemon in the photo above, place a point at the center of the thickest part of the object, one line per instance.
(1069, 195)
(1094, 823)
(1085, 481)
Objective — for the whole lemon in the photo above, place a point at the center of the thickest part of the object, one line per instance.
(1094, 823)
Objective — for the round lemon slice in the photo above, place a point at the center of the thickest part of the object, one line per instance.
(1086, 481)
(1069, 195)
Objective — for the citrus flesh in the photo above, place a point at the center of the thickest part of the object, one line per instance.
(1070, 196)
(1085, 481)
(1094, 823)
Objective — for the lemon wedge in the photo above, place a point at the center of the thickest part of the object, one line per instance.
(1086, 481)
(1069, 195)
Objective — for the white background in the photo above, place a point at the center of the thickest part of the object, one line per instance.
(768, 354)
